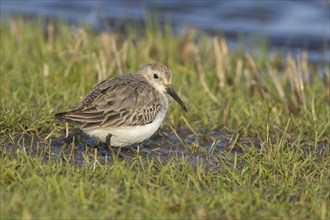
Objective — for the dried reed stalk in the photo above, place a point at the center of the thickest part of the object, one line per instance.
(219, 57)
(276, 81)
(50, 34)
(202, 76)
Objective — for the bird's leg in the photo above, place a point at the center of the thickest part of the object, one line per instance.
(108, 143)
(137, 148)
(112, 149)
(108, 139)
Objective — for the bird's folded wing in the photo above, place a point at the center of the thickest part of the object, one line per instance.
(117, 104)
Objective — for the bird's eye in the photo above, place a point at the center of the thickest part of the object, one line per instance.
(156, 76)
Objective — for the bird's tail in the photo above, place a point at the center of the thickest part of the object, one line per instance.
(61, 116)
(65, 117)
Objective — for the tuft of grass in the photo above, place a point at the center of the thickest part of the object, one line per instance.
(280, 101)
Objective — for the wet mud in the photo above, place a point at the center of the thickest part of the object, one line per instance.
(207, 147)
(201, 146)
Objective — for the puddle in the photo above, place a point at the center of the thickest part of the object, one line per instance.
(203, 146)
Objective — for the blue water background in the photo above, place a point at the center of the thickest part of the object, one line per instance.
(286, 24)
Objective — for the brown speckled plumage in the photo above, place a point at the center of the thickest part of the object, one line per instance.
(124, 101)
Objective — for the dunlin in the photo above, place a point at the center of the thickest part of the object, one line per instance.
(126, 109)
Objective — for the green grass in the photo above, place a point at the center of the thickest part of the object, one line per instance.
(43, 73)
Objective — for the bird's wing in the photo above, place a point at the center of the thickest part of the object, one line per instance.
(118, 102)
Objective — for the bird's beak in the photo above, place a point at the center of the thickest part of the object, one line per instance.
(172, 93)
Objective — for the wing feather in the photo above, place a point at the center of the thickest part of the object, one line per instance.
(127, 100)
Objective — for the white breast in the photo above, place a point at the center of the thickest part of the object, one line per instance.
(128, 135)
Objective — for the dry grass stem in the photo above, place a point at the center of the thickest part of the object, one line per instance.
(219, 57)
(202, 76)
(276, 81)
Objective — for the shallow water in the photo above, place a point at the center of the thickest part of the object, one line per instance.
(286, 24)
(206, 147)
(209, 148)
